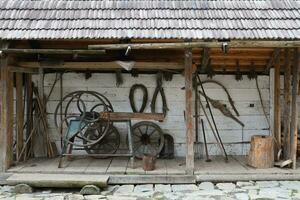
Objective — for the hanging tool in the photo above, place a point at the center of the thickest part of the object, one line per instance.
(227, 93)
(159, 89)
(226, 112)
(212, 117)
(205, 143)
(212, 128)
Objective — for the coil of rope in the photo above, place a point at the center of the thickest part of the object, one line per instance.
(131, 97)
(159, 89)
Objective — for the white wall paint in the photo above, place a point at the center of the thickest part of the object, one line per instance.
(243, 93)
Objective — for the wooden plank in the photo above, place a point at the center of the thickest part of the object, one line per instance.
(40, 140)
(22, 70)
(160, 167)
(29, 116)
(98, 166)
(153, 179)
(175, 166)
(138, 168)
(19, 114)
(273, 59)
(272, 99)
(6, 105)
(201, 44)
(61, 180)
(53, 51)
(277, 108)
(118, 166)
(189, 112)
(78, 165)
(106, 65)
(121, 116)
(294, 117)
(205, 59)
(287, 105)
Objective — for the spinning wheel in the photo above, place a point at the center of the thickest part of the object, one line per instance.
(148, 139)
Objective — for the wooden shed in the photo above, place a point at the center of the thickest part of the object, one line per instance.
(243, 57)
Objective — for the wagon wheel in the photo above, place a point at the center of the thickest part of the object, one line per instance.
(109, 144)
(147, 138)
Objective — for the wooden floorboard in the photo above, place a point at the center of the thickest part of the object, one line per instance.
(137, 169)
(175, 166)
(160, 167)
(78, 165)
(118, 166)
(98, 166)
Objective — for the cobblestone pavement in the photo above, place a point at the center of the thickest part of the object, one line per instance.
(204, 190)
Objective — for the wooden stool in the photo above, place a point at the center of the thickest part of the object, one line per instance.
(261, 154)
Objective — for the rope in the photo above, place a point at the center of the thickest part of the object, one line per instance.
(131, 97)
(159, 89)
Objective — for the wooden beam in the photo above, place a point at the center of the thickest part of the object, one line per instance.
(138, 65)
(205, 59)
(294, 117)
(121, 116)
(29, 115)
(6, 105)
(53, 51)
(277, 113)
(23, 70)
(273, 59)
(19, 114)
(201, 44)
(104, 65)
(287, 105)
(188, 62)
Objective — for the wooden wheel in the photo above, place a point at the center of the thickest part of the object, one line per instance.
(147, 138)
(109, 144)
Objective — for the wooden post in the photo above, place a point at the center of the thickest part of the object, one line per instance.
(287, 105)
(40, 144)
(189, 111)
(277, 117)
(29, 116)
(6, 105)
(294, 117)
(19, 113)
(272, 98)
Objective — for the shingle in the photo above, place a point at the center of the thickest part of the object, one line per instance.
(195, 19)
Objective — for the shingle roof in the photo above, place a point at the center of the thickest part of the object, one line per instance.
(182, 19)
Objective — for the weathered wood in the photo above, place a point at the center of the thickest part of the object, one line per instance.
(188, 62)
(277, 108)
(40, 140)
(202, 44)
(261, 153)
(23, 70)
(205, 59)
(287, 105)
(63, 180)
(19, 113)
(109, 65)
(53, 51)
(152, 179)
(273, 59)
(6, 105)
(121, 116)
(294, 117)
(272, 99)
(29, 108)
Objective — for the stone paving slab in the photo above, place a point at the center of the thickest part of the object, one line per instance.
(272, 190)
